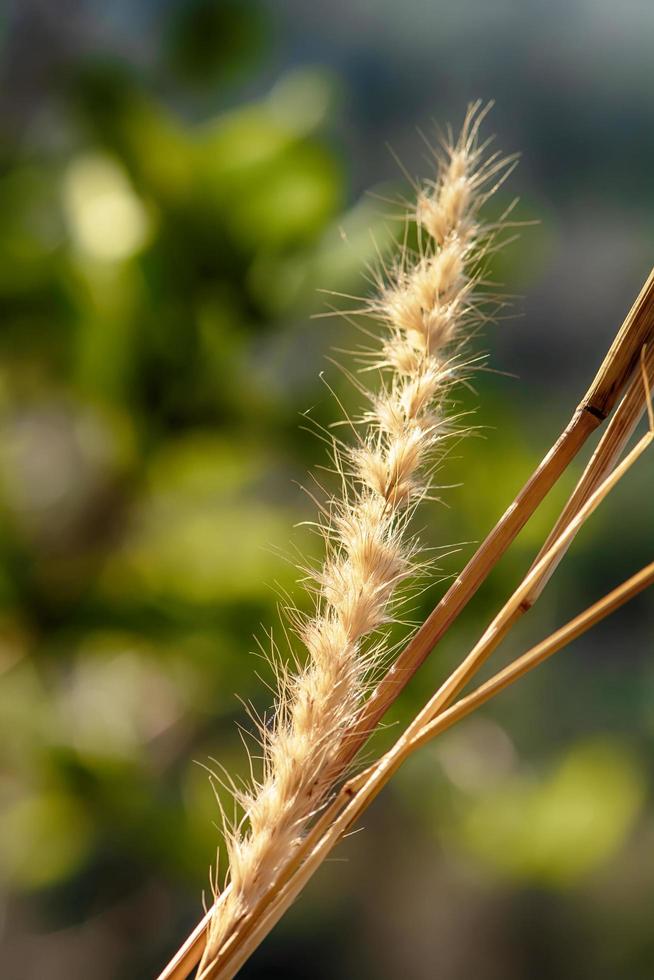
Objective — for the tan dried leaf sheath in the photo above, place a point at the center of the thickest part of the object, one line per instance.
(428, 306)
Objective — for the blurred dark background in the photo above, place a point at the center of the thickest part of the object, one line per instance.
(178, 179)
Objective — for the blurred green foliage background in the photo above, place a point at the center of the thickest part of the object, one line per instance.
(178, 179)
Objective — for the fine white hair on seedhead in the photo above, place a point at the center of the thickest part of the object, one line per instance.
(426, 307)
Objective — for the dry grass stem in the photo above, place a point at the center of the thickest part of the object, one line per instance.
(428, 306)
(538, 654)
(624, 422)
(614, 373)
(497, 629)
(358, 793)
(621, 427)
(322, 843)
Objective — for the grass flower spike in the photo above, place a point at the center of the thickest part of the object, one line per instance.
(428, 304)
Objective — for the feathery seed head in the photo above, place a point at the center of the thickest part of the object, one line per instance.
(426, 306)
(400, 356)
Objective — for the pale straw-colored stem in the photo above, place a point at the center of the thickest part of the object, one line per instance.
(614, 373)
(617, 367)
(323, 843)
(538, 654)
(253, 927)
(624, 422)
(621, 427)
(479, 654)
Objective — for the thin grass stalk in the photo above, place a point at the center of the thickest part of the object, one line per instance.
(622, 425)
(614, 372)
(324, 843)
(361, 791)
(478, 656)
(538, 654)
